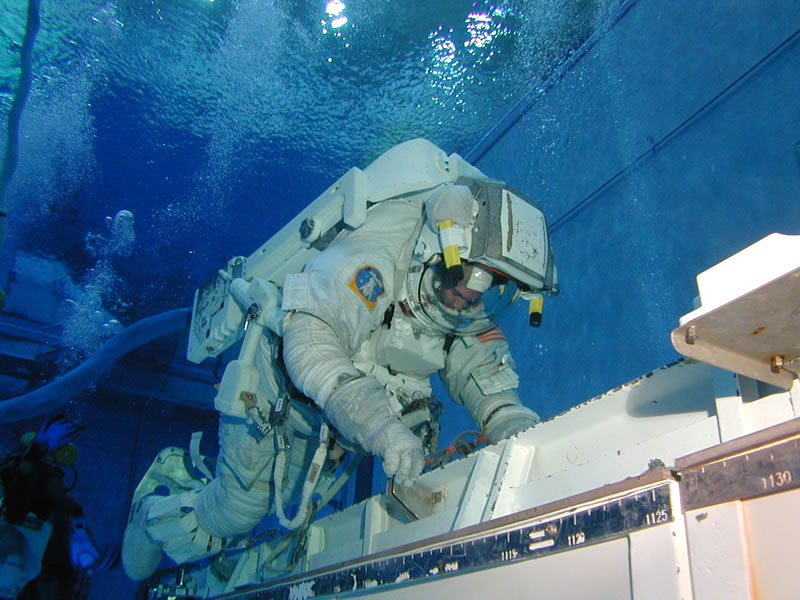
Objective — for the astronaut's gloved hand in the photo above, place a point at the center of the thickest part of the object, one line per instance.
(359, 411)
(509, 420)
(402, 454)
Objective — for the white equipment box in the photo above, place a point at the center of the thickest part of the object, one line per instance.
(681, 484)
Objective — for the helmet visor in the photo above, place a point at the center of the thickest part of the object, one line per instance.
(462, 307)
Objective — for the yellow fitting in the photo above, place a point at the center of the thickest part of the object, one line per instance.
(451, 256)
(535, 311)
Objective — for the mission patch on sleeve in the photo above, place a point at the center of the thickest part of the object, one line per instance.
(368, 284)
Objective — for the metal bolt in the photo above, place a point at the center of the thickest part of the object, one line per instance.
(254, 311)
(776, 364)
(249, 399)
(551, 530)
(691, 335)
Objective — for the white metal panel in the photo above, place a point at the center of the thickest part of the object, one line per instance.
(755, 266)
(768, 411)
(666, 400)
(473, 501)
(718, 552)
(517, 458)
(773, 529)
(730, 411)
(659, 566)
(617, 463)
(747, 322)
(599, 571)
(659, 557)
(410, 532)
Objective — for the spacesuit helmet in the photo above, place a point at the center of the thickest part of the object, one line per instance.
(499, 241)
(466, 306)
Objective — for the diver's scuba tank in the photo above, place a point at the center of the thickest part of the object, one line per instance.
(83, 551)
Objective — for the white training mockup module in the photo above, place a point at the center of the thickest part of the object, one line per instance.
(679, 484)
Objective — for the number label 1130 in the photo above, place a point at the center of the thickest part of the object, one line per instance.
(777, 479)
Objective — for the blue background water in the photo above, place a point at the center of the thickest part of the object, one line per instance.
(660, 137)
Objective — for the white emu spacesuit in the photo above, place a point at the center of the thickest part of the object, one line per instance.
(416, 289)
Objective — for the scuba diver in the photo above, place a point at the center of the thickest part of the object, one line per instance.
(47, 543)
(345, 359)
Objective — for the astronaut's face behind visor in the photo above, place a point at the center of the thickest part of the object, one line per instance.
(459, 297)
(468, 306)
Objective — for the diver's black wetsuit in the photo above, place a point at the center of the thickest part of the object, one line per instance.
(33, 485)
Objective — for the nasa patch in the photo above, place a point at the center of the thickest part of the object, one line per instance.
(368, 284)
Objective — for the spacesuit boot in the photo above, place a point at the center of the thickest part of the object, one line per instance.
(141, 550)
(174, 523)
(140, 554)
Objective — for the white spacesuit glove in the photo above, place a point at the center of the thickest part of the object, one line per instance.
(509, 420)
(402, 454)
(359, 410)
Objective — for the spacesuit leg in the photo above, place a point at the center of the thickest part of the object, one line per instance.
(241, 493)
(197, 520)
(194, 521)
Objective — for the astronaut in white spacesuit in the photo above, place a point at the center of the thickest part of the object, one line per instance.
(365, 325)
(345, 341)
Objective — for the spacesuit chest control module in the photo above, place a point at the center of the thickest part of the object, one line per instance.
(393, 274)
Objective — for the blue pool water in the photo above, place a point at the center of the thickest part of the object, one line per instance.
(162, 137)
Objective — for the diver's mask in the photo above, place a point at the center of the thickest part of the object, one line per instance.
(464, 307)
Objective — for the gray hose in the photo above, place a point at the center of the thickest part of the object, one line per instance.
(57, 392)
(14, 115)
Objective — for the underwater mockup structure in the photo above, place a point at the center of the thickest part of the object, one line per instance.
(678, 484)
